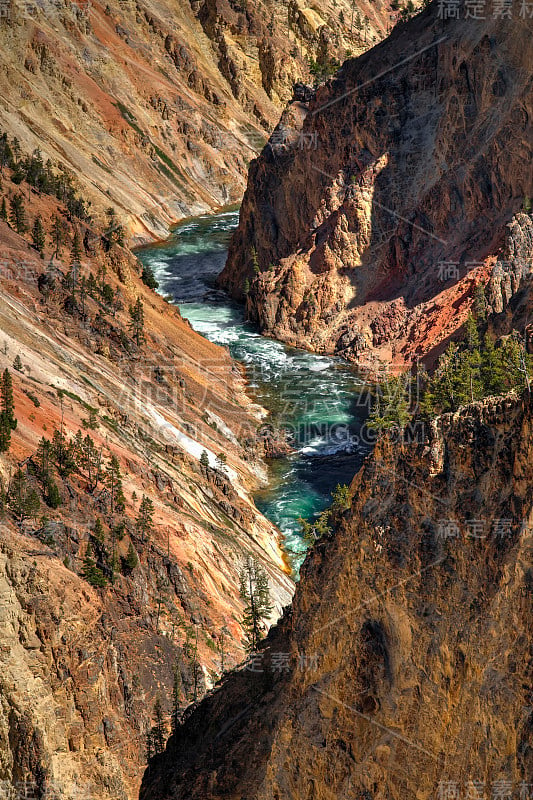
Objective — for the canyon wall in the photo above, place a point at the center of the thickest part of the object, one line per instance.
(376, 209)
(403, 669)
(81, 666)
(158, 107)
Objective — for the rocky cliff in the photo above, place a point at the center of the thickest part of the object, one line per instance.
(403, 669)
(157, 107)
(82, 664)
(368, 221)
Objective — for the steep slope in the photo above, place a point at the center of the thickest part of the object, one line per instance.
(81, 666)
(403, 669)
(390, 190)
(158, 106)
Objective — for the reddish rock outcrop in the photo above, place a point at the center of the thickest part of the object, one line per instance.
(372, 223)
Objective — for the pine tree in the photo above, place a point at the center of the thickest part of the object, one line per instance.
(112, 232)
(90, 461)
(148, 277)
(57, 234)
(117, 532)
(92, 286)
(440, 395)
(494, 374)
(341, 497)
(517, 362)
(196, 669)
(17, 364)
(90, 571)
(63, 454)
(82, 294)
(77, 446)
(391, 409)
(114, 485)
(43, 460)
(480, 303)
(71, 279)
(221, 461)
(469, 384)
(319, 527)
(5, 435)
(107, 294)
(149, 745)
(132, 560)
(145, 518)
(255, 593)
(75, 258)
(23, 500)
(98, 531)
(8, 421)
(204, 458)
(6, 155)
(471, 333)
(15, 145)
(52, 495)
(98, 542)
(37, 235)
(34, 170)
(7, 404)
(137, 322)
(3, 210)
(176, 698)
(159, 727)
(18, 214)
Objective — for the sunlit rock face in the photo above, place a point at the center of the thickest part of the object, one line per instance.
(81, 666)
(404, 667)
(373, 210)
(158, 107)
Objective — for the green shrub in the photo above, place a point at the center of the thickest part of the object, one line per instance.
(148, 278)
(52, 497)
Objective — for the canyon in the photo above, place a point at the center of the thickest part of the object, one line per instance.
(403, 666)
(382, 201)
(366, 231)
(153, 110)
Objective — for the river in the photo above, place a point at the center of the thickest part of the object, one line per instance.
(320, 400)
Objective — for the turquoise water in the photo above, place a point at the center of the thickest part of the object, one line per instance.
(318, 400)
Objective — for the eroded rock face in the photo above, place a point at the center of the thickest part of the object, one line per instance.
(81, 667)
(513, 268)
(408, 647)
(157, 108)
(416, 157)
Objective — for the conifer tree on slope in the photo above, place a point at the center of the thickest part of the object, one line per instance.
(254, 590)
